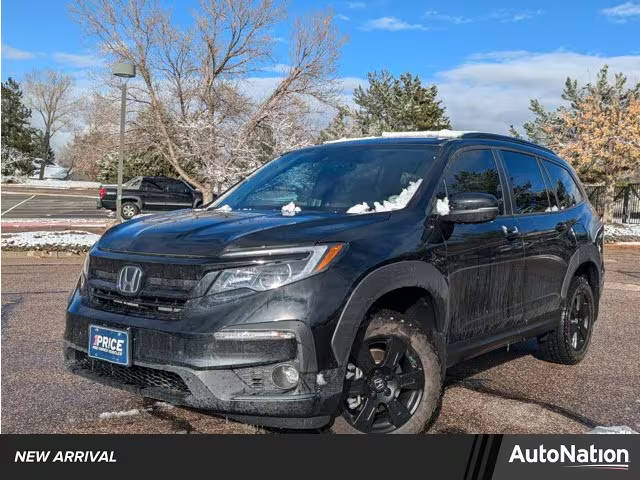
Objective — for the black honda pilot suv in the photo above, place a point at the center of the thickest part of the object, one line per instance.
(336, 284)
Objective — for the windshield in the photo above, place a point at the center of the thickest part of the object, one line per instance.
(333, 179)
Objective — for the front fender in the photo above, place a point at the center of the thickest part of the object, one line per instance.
(409, 273)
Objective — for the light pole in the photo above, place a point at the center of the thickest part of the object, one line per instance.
(124, 71)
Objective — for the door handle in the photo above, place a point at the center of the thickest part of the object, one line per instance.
(510, 233)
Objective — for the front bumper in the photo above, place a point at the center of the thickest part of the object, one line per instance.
(198, 371)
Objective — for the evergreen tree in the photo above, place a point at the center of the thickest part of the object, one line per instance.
(398, 104)
(341, 126)
(598, 130)
(149, 164)
(19, 139)
(393, 104)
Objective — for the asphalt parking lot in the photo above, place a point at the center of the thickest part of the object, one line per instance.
(44, 205)
(500, 392)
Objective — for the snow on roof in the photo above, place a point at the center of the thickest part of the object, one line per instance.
(345, 139)
(427, 134)
(423, 134)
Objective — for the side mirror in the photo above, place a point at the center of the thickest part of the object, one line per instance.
(472, 207)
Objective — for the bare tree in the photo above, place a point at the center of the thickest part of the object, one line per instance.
(192, 78)
(49, 93)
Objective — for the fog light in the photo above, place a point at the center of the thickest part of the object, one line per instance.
(285, 376)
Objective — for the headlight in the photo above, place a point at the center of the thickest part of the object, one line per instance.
(85, 266)
(84, 276)
(273, 269)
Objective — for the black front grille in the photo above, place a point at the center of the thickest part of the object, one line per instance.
(159, 270)
(135, 375)
(165, 288)
(155, 306)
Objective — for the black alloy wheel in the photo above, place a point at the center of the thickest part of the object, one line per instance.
(390, 388)
(580, 320)
(569, 341)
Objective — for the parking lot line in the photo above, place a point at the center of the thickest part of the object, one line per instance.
(17, 205)
(51, 194)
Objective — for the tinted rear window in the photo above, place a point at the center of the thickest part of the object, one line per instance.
(565, 187)
(529, 190)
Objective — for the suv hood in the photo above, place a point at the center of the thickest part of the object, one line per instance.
(206, 233)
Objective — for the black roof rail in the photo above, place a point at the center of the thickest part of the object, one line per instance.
(504, 138)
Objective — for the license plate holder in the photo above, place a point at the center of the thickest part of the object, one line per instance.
(110, 344)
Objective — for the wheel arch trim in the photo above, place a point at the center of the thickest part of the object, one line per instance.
(585, 254)
(379, 282)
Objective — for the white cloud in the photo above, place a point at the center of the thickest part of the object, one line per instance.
(391, 24)
(504, 15)
(11, 53)
(356, 5)
(455, 19)
(340, 16)
(77, 60)
(622, 12)
(277, 68)
(492, 90)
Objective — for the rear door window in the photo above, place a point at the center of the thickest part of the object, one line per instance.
(529, 190)
(177, 187)
(565, 187)
(150, 186)
(474, 171)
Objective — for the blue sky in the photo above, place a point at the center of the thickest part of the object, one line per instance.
(488, 58)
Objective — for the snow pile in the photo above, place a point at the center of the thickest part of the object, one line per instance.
(120, 414)
(50, 183)
(360, 208)
(290, 209)
(225, 208)
(394, 202)
(622, 429)
(617, 232)
(68, 240)
(442, 206)
(51, 171)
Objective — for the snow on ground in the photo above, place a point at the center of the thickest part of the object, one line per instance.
(622, 429)
(51, 171)
(49, 183)
(394, 202)
(68, 240)
(618, 232)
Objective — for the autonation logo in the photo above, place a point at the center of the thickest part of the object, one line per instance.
(571, 456)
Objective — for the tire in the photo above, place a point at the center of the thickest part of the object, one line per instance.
(569, 342)
(129, 210)
(416, 366)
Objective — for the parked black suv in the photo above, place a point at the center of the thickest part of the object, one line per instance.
(150, 194)
(335, 285)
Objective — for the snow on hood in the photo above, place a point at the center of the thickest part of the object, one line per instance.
(290, 209)
(224, 208)
(394, 202)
